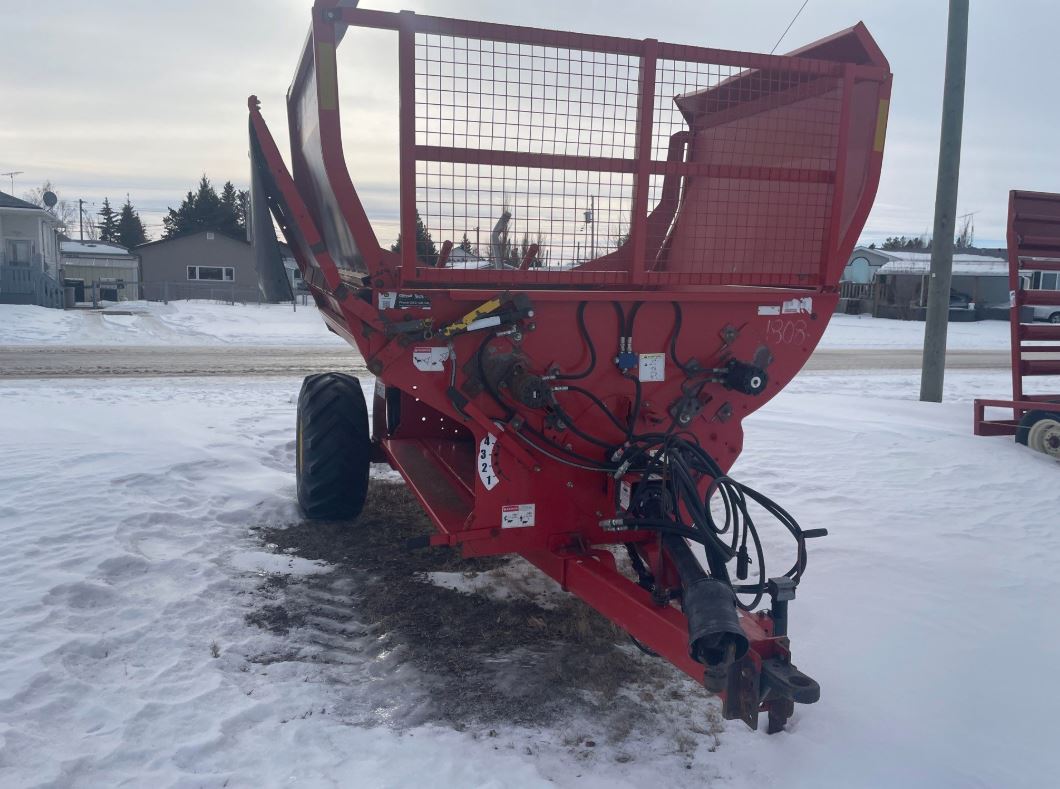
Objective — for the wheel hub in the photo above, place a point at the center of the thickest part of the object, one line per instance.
(1044, 436)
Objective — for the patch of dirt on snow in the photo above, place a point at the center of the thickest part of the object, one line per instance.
(483, 660)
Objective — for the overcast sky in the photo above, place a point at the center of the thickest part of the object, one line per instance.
(116, 97)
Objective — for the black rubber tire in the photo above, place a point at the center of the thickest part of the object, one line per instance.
(333, 447)
(1054, 318)
(1030, 419)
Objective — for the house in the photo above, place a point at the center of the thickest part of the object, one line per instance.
(863, 264)
(100, 271)
(203, 265)
(29, 254)
(892, 283)
(979, 282)
(294, 274)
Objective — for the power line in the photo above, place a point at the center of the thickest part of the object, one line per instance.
(792, 22)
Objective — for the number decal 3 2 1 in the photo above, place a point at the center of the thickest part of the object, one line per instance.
(487, 447)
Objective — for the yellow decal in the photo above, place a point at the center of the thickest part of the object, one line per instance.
(327, 91)
(476, 313)
(881, 125)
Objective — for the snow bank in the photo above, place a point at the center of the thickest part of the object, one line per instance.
(864, 331)
(196, 323)
(126, 509)
(182, 323)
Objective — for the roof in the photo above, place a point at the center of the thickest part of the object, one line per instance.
(94, 248)
(963, 265)
(185, 236)
(8, 201)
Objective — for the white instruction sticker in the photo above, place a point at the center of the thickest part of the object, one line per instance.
(387, 299)
(430, 359)
(798, 305)
(380, 388)
(652, 366)
(487, 447)
(624, 491)
(768, 309)
(517, 516)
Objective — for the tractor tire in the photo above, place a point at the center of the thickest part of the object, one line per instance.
(333, 448)
(1040, 431)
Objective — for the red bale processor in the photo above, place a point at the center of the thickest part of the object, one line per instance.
(623, 247)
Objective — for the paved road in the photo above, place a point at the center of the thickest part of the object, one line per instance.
(141, 361)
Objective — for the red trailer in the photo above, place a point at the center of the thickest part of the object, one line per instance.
(1034, 271)
(665, 226)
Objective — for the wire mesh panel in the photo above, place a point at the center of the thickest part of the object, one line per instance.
(759, 168)
(488, 105)
(531, 151)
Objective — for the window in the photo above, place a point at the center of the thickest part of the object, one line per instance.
(18, 253)
(1049, 280)
(212, 273)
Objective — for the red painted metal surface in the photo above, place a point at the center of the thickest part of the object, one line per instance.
(1033, 249)
(726, 190)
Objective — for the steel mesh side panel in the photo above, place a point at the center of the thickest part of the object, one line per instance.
(510, 98)
(547, 136)
(761, 159)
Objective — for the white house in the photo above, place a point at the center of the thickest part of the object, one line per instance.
(100, 270)
(29, 254)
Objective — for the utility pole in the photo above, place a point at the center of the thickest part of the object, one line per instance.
(80, 218)
(938, 305)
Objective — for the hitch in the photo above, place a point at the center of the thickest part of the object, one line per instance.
(771, 684)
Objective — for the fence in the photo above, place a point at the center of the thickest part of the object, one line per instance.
(27, 285)
(219, 292)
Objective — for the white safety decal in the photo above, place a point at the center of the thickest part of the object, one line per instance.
(768, 309)
(380, 388)
(430, 359)
(798, 305)
(652, 366)
(387, 299)
(624, 491)
(517, 516)
(487, 447)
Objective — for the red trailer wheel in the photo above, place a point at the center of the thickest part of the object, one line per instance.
(333, 447)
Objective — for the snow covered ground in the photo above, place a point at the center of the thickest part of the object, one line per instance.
(864, 331)
(130, 515)
(198, 323)
(180, 323)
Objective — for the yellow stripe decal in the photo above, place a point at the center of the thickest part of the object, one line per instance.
(881, 125)
(327, 91)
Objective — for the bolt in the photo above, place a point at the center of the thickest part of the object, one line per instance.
(570, 484)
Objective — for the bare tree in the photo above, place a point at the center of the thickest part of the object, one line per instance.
(63, 210)
(966, 238)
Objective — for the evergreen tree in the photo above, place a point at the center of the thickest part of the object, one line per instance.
(108, 222)
(204, 209)
(130, 230)
(426, 251)
(465, 243)
(243, 209)
(228, 220)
